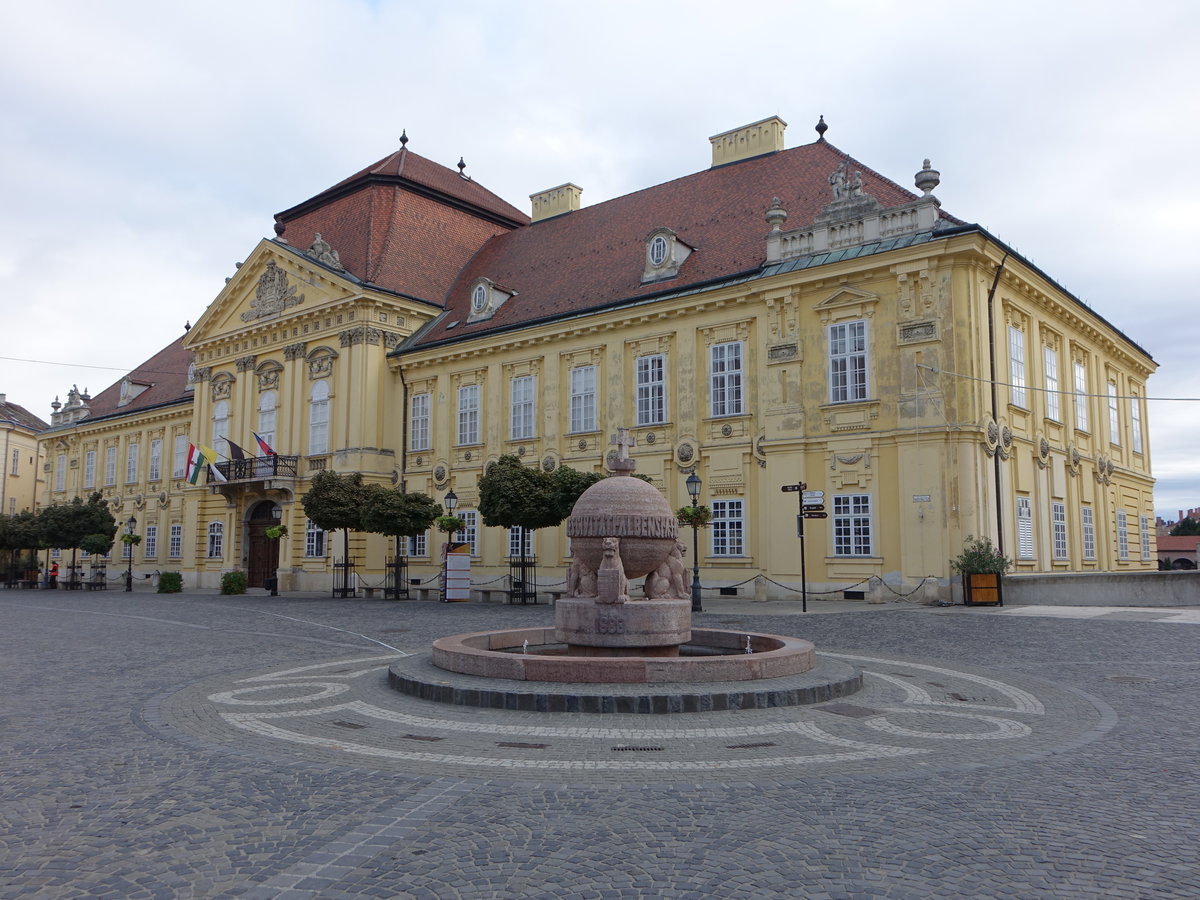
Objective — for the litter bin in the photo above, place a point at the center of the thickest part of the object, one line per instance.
(272, 585)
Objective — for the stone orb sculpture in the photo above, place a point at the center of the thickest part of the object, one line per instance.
(629, 509)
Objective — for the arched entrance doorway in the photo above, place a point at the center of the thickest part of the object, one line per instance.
(263, 555)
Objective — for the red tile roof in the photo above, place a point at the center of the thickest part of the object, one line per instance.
(404, 223)
(166, 374)
(594, 256)
(1177, 544)
(20, 417)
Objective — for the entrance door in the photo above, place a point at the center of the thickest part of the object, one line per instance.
(263, 558)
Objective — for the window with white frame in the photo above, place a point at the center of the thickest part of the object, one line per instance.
(155, 459)
(416, 545)
(468, 414)
(848, 362)
(318, 418)
(1122, 534)
(216, 540)
(175, 542)
(418, 422)
(12, 506)
(1024, 528)
(651, 389)
(131, 463)
(179, 456)
(1050, 365)
(110, 466)
(314, 539)
(1135, 422)
(728, 528)
(522, 392)
(1016, 366)
(1058, 515)
(268, 402)
(89, 469)
(1145, 521)
(520, 542)
(1114, 418)
(1089, 532)
(126, 550)
(470, 532)
(60, 472)
(583, 399)
(14, 469)
(150, 542)
(56, 553)
(1082, 419)
(220, 426)
(851, 524)
(725, 381)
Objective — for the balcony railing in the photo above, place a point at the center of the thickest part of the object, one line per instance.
(257, 468)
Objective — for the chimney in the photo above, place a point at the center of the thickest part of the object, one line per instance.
(748, 141)
(556, 201)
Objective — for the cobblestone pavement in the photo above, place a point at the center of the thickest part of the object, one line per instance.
(204, 746)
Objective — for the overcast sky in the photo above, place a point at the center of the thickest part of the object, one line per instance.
(145, 146)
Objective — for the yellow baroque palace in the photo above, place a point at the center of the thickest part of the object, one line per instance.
(785, 317)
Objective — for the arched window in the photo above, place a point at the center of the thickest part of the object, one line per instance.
(216, 540)
(220, 429)
(266, 416)
(318, 419)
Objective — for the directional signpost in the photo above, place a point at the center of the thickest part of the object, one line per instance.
(810, 501)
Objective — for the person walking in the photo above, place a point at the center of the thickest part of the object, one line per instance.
(53, 584)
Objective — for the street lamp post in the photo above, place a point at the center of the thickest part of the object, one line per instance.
(129, 527)
(450, 501)
(693, 488)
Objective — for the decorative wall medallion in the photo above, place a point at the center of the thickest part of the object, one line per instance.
(1006, 437)
(467, 456)
(439, 474)
(520, 451)
(419, 461)
(395, 477)
(582, 444)
(548, 464)
(726, 430)
(685, 453)
(610, 458)
(651, 438)
(273, 294)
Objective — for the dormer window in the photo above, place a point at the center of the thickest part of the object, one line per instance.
(658, 250)
(665, 253)
(479, 299)
(486, 298)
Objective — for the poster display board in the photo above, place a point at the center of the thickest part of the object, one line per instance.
(457, 573)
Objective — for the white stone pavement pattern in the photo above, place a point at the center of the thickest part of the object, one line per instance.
(205, 746)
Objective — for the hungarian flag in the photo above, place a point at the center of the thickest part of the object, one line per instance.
(194, 461)
(263, 445)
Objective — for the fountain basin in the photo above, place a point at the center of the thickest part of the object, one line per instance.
(496, 654)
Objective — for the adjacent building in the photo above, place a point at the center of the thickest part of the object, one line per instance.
(21, 485)
(784, 317)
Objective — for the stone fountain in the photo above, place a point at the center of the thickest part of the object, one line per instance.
(610, 632)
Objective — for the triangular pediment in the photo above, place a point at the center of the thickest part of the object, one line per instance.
(274, 284)
(847, 303)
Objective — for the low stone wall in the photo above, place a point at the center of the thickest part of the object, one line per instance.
(1103, 589)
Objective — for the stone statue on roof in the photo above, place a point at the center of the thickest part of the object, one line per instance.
(838, 181)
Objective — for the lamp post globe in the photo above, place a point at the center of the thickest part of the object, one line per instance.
(693, 485)
(130, 525)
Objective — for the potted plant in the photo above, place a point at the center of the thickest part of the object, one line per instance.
(449, 524)
(275, 532)
(695, 516)
(982, 567)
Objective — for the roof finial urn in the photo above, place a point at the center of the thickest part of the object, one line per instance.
(821, 128)
(776, 215)
(927, 179)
